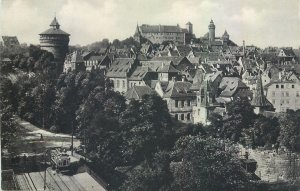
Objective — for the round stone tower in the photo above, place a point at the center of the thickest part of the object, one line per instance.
(56, 41)
(211, 33)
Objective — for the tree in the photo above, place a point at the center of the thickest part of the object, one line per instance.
(7, 103)
(289, 131)
(205, 164)
(240, 116)
(152, 175)
(264, 131)
(147, 128)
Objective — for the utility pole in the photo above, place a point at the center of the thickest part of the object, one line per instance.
(72, 146)
(43, 113)
(45, 169)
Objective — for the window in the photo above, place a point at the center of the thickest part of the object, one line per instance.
(176, 116)
(188, 116)
(277, 86)
(273, 94)
(188, 102)
(293, 86)
(297, 94)
(176, 103)
(118, 83)
(287, 94)
(282, 86)
(182, 117)
(123, 83)
(282, 94)
(182, 103)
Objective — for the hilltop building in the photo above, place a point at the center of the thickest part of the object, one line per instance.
(216, 43)
(56, 41)
(158, 34)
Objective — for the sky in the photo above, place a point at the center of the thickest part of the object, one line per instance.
(259, 22)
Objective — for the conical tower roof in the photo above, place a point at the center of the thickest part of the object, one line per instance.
(55, 23)
(259, 99)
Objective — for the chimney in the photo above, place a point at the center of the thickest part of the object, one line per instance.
(183, 78)
(280, 75)
(244, 53)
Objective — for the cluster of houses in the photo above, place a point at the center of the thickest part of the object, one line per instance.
(199, 76)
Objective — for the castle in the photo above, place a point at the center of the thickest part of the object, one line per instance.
(56, 41)
(158, 34)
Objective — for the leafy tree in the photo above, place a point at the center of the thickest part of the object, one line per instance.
(240, 116)
(205, 164)
(7, 103)
(289, 131)
(264, 131)
(147, 128)
(152, 175)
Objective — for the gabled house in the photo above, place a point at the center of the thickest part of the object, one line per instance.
(97, 62)
(142, 76)
(164, 69)
(184, 50)
(286, 56)
(209, 56)
(137, 92)
(232, 88)
(179, 98)
(120, 70)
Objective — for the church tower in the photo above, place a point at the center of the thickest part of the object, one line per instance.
(259, 101)
(56, 41)
(225, 36)
(137, 35)
(211, 29)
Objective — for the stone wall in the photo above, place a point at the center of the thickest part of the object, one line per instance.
(273, 166)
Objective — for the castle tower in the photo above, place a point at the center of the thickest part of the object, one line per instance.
(211, 32)
(189, 27)
(56, 41)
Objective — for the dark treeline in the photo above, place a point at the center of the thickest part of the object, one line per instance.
(136, 146)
